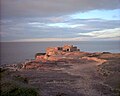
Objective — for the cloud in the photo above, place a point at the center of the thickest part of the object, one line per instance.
(65, 25)
(28, 28)
(102, 14)
(56, 19)
(46, 8)
(51, 39)
(107, 33)
(96, 24)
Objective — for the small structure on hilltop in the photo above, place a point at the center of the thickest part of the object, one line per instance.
(58, 50)
(55, 51)
(70, 48)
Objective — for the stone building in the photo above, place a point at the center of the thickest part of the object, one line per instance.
(70, 48)
(55, 51)
(65, 48)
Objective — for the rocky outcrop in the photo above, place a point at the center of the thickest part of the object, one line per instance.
(31, 66)
(56, 53)
(100, 61)
(66, 54)
(40, 58)
(59, 50)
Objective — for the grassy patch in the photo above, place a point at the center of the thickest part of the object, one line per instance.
(21, 79)
(61, 94)
(15, 85)
(18, 91)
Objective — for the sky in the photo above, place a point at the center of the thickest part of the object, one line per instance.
(59, 20)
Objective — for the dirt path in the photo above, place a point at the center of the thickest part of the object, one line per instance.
(90, 83)
(69, 80)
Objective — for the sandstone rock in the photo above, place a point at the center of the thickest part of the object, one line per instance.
(101, 61)
(39, 58)
(32, 66)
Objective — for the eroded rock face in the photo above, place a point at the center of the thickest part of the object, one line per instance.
(66, 53)
(60, 55)
(55, 53)
(40, 58)
(31, 65)
(100, 61)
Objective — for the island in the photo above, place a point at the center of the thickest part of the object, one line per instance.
(63, 71)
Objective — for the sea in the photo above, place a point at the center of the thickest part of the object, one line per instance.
(17, 52)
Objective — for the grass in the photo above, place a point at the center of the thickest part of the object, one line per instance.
(21, 79)
(15, 85)
(19, 91)
(61, 94)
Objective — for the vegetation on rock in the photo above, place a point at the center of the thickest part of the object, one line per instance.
(12, 85)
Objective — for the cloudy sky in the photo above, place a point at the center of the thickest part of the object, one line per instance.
(60, 20)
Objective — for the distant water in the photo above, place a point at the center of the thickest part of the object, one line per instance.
(14, 52)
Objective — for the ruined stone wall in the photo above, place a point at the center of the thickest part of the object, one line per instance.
(67, 47)
(70, 48)
(58, 50)
(74, 49)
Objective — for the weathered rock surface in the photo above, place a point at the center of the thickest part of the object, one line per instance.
(79, 76)
(73, 73)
